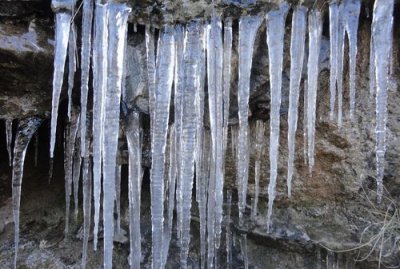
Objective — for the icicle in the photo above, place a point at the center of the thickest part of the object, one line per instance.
(248, 27)
(161, 105)
(227, 78)
(340, 59)
(296, 68)
(72, 50)
(87, 18)
(63, 21)
(228, 230)
(243, 250)
(275, 33)
(133, 135)
(178, 92)
(192, 76)
(333, 33)
(351, 15)
(118, 198)
(151, 71)
(372, 79)
(305, 113)
(9, 137)
(26, 129)
(216, 109)
(69, 147)
(118, 16)
(260, 131)
(99, 91)
(315, 29)
(382, 25)
(76, 176)
(87, 205)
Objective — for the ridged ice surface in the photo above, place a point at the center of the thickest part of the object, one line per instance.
(118, 16)
(161, 105)
(297, 46)
(26, 129)
(314, 37)
(382, 27)
(275, 33)
(248, 27)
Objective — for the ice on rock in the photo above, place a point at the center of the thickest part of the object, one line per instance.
(69, 148)
(117, 27)
(87, 18)
(248, 26)
(296, 68)
(63, 22)
(9, 137)
(275, 33)
(133, 136)
(100, 67)
(26, 129)
(382, 27)
(161, 105)
(351, 13)
(314, 32)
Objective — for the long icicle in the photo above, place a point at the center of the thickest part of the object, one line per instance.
(351, 16)
(100, 65)
(63, 22)
(248, 27)
(72, 50)
(87, 205)
(161, 105)
(133, 136)
(297, 45)
(333, 39)
(340, 60)
(275, 33)
(382, 27)
(87, 18)
(26, 129)
(118, 16)
(315, 30)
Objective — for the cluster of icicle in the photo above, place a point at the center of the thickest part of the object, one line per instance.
(185, 56)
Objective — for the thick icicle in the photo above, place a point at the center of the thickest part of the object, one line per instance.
(260, 131)
(351, 13)
(26, 129)
(63, 22)
(133, 136)
(382, 27)
(178, 93)
(275, 33)
(9, 137)
(151, 70)
(118, 16)
(296, 68)
(248, 27)
(216, 109)
(99, 92)
(315, 29)
(161, 105)
(340, 59)
(72, 50)
(333, 39)
(87, 205)
(227, 77)
(69, 147)
(87, 18)
(192, 75)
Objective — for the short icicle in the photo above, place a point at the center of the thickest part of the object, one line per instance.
(382, 27)
(315, 30)
(100, 66)
(117, 27)
(275, 33)
(26, 129)
(248, 26)
(297, 45)
(161, 105)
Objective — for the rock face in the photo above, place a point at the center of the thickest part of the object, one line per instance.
(334, 208)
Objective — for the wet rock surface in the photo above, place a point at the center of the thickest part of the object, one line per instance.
(328, 209)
